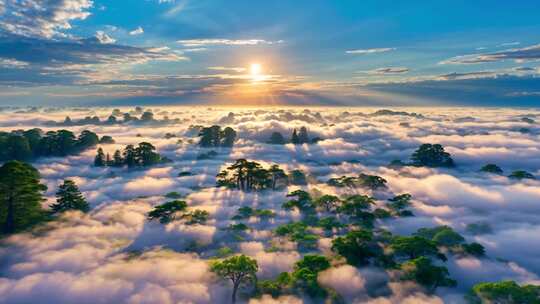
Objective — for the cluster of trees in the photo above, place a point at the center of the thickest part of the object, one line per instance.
(21, 195)
(26, 145)
(297, 138)
(146, 117)
(372, 182)
(519, 174)
(142, 155)
(214, 136)
(428, 155)
(247, 175)
(507, 292)
(177, 210)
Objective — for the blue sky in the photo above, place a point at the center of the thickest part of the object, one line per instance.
(412, 53)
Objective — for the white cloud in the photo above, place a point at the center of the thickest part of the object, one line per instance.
(42, 18)
(370, 51)
(103, 38)
(138, 31)
(236, 42)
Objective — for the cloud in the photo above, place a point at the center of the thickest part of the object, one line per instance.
(138, 31)
(12, 63)
(35, 18)
(228, 69)
(235, 42)
(370, 51)
(387, 71)
(102, 37)
(530, 53)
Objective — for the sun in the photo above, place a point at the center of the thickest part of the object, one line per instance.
(255, 69)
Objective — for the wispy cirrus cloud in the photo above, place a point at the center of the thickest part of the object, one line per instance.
(9, 63)
(530, 53)
(369, 51)
(236, 42)
(229, 69)
(386, 71)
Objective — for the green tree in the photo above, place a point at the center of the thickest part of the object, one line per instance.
(167, 212)
(69, 197)
(520, 174)
(130, 156)
(20, 196)
(297, 177)
(145, 154)
(277, 139)
(294, 138)
(18, 148)
(228, 137)
(277, 174)
(328, 202)
(492, 168)
(303, 137)
(240, 270)
(196, 217)
(505, 292)
(422, 271)
(117, 161)
(304, 276)
(356, 247)
(99, 160)
(87, 139)
(429, 155)
(414, 247)
(442, 235)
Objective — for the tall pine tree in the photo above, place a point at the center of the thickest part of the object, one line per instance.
(69, 197)
(100, 161)
(20, 196)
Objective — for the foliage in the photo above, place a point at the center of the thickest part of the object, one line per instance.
(196, 217)
(68, 197)
(297, 177)
(302, 201)
(167, 212)
(20, 196)
(399, 204)
(297, 232)
(240, 270)
(428, 155)
(328, 202)
(520, 174)
(442, 235)
(474, 249)
(414, 246)
(141, 156)
(491, 168)
(33, 143)
(372, 182)
(505, 292)
(356, 247)
(422, 271)
(304, 276)
(277, 139)
(330, 223)
(247, 175)
(214, 136)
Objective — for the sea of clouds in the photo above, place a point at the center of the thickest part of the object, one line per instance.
(114, 255)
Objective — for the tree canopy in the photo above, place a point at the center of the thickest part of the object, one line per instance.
(240, 270)
(21, 194)
(429, 155)
(69, 197)
(34, 143)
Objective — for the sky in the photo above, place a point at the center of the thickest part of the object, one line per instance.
(343, 53)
